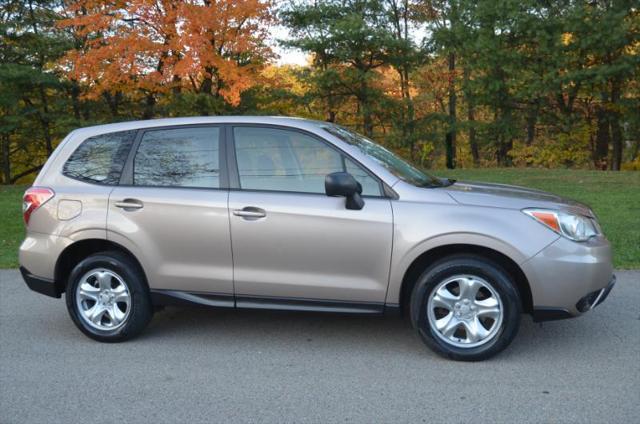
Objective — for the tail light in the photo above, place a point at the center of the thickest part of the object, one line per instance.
(33, 198)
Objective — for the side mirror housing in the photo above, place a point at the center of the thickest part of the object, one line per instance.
(343, 184)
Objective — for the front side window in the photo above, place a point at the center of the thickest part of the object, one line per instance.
(370, 186)
(181, 157)
(100, 159)
(389, 160)
(284, 160)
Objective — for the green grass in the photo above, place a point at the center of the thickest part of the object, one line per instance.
(11, 226)
(614, 196)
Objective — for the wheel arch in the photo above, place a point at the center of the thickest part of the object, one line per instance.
(82, 249)
(430, 256)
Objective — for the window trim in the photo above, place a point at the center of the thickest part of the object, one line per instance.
(81, 143)
(126, 178)
(234, 174)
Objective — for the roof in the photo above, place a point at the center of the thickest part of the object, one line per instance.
(149, 123)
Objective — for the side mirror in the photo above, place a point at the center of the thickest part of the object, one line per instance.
(343, 184)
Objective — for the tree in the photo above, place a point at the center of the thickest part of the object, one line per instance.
(350, 40)
(606, 35)
(443, 17)
(31, 116)
(149, 48)
(405, 57)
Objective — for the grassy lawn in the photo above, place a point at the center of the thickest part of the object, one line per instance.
(11, 225)
(614, 196)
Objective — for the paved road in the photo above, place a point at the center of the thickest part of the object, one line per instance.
(218, 366)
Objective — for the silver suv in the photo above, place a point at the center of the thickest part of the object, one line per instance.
(284, 213)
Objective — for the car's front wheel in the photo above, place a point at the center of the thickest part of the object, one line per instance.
(466, 307)
(107, 297)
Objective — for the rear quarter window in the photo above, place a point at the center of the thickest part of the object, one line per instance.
(100, 159)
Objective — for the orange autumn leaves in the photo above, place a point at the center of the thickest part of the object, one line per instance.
(210, 46)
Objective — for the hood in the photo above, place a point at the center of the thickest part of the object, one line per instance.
(512, 197)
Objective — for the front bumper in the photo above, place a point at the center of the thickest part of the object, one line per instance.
(568, 278)
(595, 298)
(585, 304)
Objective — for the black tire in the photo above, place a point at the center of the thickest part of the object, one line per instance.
(141, 309)
(491, 273)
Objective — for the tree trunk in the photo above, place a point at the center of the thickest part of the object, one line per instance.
(44, 120)
(75, 99)
(6, 159)
(636, 150)
(206, 86)
(532, 119)
(473, 142)
(149, 107)
(504, 139)
(616, 130)
(367, 121)
(616, 141)
(450, 138)
(408, 110)
(176, 88)
(471, 118)
(365, 108)
(331, 101)
(504, 146)
(601, 152)
(112, 102)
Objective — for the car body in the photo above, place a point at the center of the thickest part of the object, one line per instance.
(234, 212)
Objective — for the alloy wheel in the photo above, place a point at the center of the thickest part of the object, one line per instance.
(465, 311)
(103, 299)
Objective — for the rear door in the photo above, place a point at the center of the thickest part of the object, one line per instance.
(170, 210)
(293, 246)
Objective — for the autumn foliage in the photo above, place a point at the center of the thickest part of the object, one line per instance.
(446, 83)
(213, 46)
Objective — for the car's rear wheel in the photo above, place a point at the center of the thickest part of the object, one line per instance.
(466, 308)
(107, 297)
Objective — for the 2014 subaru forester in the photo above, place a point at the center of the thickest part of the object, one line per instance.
(285, 213)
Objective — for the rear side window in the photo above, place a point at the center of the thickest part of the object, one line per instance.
(100, 159)
(181, 157)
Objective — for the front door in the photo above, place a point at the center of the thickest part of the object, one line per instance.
(292, 244)
(172, 214)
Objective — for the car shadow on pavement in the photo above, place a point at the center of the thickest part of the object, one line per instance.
(271, 330)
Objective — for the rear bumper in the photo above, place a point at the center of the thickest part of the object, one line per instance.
(39, 252)
(39, 284)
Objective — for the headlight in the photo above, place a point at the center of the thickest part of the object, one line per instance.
(574, 227)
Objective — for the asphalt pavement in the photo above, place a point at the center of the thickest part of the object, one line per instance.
(204, 365)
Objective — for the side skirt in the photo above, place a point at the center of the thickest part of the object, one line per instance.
(312, 305)
(181, 298)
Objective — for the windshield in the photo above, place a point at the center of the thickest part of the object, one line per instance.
(393, 163)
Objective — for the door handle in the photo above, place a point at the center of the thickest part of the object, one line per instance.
(129, 204)
(250, 212)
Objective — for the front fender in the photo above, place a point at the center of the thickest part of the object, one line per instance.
(420, 227)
